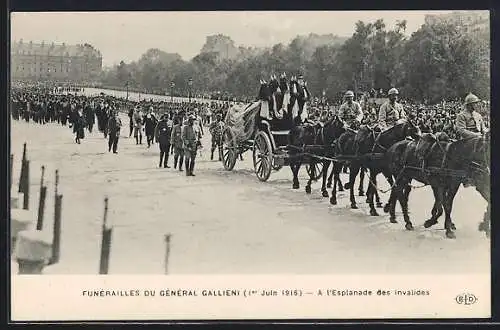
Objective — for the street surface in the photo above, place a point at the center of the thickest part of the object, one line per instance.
(229, 222)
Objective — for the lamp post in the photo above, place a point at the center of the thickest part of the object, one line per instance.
(190, 83)
(172, 85)
(126, 85)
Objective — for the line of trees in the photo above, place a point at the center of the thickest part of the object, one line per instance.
(439, 61)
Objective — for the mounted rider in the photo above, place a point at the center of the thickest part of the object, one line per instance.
(391, 111)
(350, 112)
(469, 121)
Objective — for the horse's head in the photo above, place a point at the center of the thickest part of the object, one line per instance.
(333, 128)
(303, 134)
(405, 128)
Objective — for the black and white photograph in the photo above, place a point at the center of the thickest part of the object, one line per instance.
(333, 143)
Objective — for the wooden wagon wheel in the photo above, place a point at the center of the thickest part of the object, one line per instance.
(262, 156)
(229, 150)
(318, 167)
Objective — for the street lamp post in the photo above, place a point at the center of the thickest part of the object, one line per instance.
(126, 85)
(172, 84)
(190, 83)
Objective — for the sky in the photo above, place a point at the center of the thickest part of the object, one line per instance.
(127, 35)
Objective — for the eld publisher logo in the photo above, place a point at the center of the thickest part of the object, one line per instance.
(466, 299)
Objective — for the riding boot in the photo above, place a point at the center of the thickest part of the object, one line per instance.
(140, 139)
(161, 159)
(181, 159)
(212, 155)
(186, 162)
(165, 161)
(191, 167)
(136, 140)
(175, 162)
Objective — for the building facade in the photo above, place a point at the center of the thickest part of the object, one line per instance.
(51, 62)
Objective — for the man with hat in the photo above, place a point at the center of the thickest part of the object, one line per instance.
(138, 121)
(176, 141)
(350, 112)
(391, 111)
(114, 127)
(190, 143)
(162, 134)
(469, 121)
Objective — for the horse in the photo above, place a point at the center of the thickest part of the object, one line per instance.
(368, 141)
(300, 136)
(453, 161)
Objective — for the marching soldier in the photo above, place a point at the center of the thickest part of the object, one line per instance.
(137, 117)
(469, 121)
(163, 131)
(391, 111)
(350, 112)
(216, 130)
(190, 143)
(176, 141)
(114, 126)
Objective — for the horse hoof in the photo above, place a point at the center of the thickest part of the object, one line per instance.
(452, 226)
(393, 220)
(325, 193)
(361, 193)
(409, 226)
(354, 206)
(329, 185)
(386, 208)
(333, 201)
(429, 223)
(379, 205)
(374, 213)
(296, 186)
(308, 189)
(450, 234)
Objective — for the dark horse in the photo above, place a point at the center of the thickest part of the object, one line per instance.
(364, 145)
(444, 166)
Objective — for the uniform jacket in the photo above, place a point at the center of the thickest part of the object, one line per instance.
(114, 125)
(176, 137)
(389, 114)
(350, 113)
(189, 137)
(467, 122)
(163, 132)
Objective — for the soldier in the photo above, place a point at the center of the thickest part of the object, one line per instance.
(149, 126)
(350, 112)
(176, 141)
(469, 121)
(131, 121)
(163, 132)
(190, 144)
(391, 111)
(137, 125)
(216, 130)
(79, 126)
(114, 127)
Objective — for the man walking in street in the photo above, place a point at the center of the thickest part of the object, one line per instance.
(162, 134)
(176, 141)
(114, 126)
(190, 143)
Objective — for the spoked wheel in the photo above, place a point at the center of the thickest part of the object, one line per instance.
(229, 150)
(262, 156)
(318, 168)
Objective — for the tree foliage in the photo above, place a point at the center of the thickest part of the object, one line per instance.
(439, 61)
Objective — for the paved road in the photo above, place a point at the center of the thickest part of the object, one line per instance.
(229, 222)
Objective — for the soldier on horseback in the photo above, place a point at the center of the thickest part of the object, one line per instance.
(391, 111)
(469, 121)
(350, 112)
